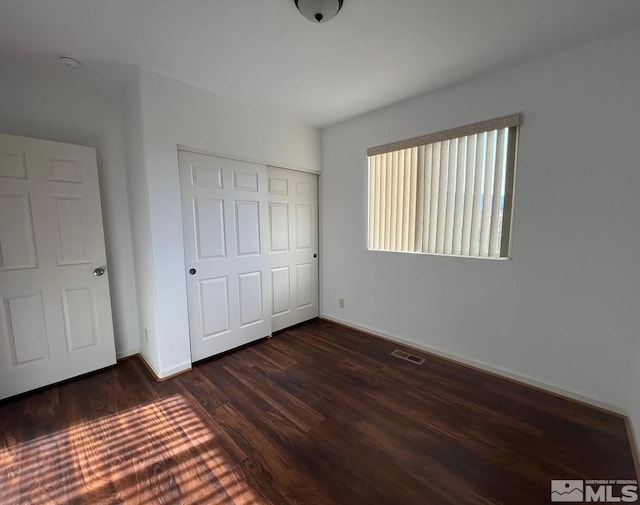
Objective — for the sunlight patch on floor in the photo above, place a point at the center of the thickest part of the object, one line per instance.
(160, 452)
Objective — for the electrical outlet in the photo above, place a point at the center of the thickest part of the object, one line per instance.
(146, 335)
(341, 303)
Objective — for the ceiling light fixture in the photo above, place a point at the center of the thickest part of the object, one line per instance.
(70, 62)
(319, 11)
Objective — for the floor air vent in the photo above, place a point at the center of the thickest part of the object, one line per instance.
(408, 357)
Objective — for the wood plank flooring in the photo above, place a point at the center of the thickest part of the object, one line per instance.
(319, 414)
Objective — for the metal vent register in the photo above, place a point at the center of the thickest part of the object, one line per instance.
(408, 357)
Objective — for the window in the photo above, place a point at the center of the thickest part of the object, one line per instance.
(446, 193)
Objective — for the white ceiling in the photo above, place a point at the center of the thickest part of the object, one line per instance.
(375, 52)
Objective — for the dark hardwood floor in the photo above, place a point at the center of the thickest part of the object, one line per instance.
(318, 414)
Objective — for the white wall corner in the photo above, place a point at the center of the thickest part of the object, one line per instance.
(151, 363)
(164, 373)
(174, 369)
(127, 353)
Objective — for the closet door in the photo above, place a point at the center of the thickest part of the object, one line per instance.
(293, 246)
(224, 209)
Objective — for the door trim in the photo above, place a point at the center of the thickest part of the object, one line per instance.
(235, 157)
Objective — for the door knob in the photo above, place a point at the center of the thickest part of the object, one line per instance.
(315, 255)
(192, 271)
(98, 271)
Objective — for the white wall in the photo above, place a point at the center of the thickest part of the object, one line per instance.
(633, 408)
(141, 227)
(173, 114)
(60, 106)
(565, 311)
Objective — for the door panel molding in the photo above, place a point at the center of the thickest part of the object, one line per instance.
(56, 315)
(222, 319)
(296, 300)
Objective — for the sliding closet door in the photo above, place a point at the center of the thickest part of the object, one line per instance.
(293, 246)
(225, 217)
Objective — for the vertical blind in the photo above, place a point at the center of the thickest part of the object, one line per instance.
(445, 193)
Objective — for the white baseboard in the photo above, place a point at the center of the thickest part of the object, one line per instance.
(175, 370)
(151, 364)
(164, 373)
(482, 366)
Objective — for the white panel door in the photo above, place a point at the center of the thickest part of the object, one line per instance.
(224, 211)
(55, 314)
(293, 246)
